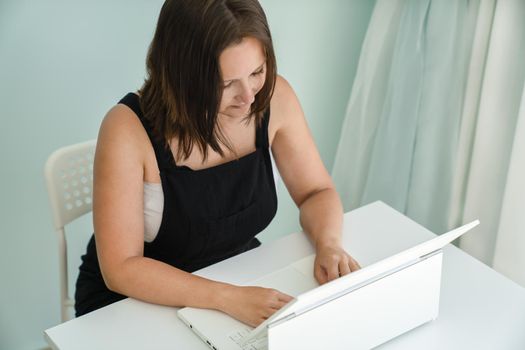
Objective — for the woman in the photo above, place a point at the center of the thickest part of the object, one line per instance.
(182, 173)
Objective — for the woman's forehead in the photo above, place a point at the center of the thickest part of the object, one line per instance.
(240, 60)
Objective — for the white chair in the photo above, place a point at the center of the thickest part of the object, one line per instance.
(69, 179)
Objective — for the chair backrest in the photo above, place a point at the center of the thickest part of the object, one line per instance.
(69, 180)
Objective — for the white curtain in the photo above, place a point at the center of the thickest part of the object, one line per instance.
(510, 244)
(431, 120)
(401, 131)
(496, 122)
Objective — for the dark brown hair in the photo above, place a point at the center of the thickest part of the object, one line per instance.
(183, 88)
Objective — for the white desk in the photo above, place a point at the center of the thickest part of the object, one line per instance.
(479, 308)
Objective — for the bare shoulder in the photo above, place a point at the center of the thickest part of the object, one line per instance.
(122, 132)
(121, 125)
(284, 106)
(124, 148)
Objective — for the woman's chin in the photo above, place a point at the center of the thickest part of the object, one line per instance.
(236, 112)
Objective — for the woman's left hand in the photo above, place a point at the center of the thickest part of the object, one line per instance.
(331, 262)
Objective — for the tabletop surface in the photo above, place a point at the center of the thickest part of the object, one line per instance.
(479, 308)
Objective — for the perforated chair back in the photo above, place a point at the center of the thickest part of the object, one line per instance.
(69, 180)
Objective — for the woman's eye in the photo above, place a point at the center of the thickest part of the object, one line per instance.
(230, 83)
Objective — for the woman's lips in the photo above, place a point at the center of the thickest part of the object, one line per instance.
(241, 106)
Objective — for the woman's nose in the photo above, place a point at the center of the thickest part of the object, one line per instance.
(247, 95)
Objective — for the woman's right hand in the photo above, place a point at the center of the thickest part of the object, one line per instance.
(252, 305)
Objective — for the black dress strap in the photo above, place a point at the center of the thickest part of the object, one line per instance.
(162, 151)
(261, 134)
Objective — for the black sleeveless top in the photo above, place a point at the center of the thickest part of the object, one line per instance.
(209, 214)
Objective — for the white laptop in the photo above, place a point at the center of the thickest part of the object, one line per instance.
(222, 332)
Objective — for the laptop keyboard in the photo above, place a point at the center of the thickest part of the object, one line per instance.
(238, 336)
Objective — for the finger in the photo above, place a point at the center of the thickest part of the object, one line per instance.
(353, 264)
(284, 298)
(281, 300)
(269, 312)
(344, 267)
(332, 271)
(320, 274)
(278, 305)
(278, 295)
(258, 321)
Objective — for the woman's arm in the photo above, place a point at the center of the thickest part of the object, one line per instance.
(309, 184)
(122, 150)
(119, 220)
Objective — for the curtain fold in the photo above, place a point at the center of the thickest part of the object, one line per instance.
(495, 128)
(366, 103)
(470, 110)
(509, 255)
(399, 139)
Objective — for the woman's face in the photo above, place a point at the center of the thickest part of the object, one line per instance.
(243, 70)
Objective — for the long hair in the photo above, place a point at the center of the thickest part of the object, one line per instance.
(183, 88)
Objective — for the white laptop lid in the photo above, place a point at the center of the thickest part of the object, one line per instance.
(337, 287)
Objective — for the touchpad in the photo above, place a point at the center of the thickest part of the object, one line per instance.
(288, 280)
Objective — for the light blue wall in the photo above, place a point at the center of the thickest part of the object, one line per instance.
(63, 64)
(317, 46)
